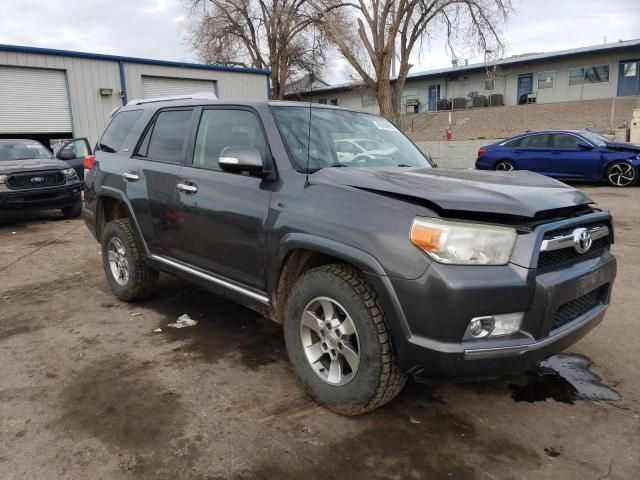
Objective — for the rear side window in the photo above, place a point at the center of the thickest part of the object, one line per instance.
(166, 139)
(117, 131)
(531, 141)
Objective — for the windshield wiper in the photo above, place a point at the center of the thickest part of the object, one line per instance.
(333, 165)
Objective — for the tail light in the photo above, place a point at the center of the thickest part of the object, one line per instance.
(88, 162)
(481, 152)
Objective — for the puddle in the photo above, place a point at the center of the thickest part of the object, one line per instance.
(564, 378)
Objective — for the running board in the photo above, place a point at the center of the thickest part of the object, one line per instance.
(212, 279)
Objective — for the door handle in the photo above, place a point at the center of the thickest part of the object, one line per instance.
(131, 176)
(187, 187)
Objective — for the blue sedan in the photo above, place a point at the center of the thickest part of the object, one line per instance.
(565, 154)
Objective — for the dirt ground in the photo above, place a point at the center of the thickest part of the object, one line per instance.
(89, 391)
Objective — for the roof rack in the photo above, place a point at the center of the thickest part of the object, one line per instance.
(190, 96)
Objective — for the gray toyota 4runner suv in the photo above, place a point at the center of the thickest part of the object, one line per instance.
(377, 265)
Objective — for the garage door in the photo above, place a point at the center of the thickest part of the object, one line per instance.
(34, 100)
(164, 86)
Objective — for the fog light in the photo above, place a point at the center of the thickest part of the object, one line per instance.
(506, 324)
(494, 326)
(480, 327)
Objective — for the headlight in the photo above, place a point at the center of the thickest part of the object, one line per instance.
(463, 243)
(70, 174)
(3, 179)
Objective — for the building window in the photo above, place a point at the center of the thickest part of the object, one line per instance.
(630, 69)
(334, 101)
(323, 101)
(545, 80)
(369, 101)
(587, 75)
(489, 84)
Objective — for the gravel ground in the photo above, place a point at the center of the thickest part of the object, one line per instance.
(88, 390)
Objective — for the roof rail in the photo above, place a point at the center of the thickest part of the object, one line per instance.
(189, 96)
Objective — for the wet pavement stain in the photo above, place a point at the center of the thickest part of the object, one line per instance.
(120, 402)
(564, 378)
(224, 328)
(417, 436)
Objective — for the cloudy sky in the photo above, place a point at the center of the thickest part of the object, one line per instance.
(158, 28)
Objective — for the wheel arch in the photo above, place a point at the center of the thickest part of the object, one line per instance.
(299, 252)
(111, 205)
(504, 159)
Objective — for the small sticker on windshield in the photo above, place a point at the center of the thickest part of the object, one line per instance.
(383, 124)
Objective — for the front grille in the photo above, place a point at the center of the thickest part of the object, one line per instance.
(575, 308)
(556, 258)
(23, 181)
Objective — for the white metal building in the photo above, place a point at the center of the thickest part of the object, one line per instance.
(50, 94)
(588, 73)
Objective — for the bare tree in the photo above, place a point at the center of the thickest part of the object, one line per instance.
(384, 26)
(280, 35)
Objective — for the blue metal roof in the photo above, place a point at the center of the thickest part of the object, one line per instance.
(118, 58)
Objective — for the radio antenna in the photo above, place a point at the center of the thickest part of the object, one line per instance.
(311, 80)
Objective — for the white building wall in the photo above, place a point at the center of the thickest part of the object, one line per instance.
(506, 82)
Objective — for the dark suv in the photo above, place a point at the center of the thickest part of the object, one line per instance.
(378, 266)
(32, 179)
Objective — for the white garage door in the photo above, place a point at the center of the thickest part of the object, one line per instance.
(34, 100)
(164, 86)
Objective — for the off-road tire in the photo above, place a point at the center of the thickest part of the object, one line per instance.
(73, 211)
(378, 378)
(143, 280)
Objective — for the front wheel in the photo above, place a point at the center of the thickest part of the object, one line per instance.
(505, 166)
(621, 174)
(339, 343)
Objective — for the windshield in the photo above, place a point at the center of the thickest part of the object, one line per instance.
(23, 150)
(596, 139)
(344, 139)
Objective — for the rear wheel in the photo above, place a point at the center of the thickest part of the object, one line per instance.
(73, 211)
(339, 343)
(505, 166)
(621, 174)
(128, 275)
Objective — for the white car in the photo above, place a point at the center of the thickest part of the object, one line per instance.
(350, 149)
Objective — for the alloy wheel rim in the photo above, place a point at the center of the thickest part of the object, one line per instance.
(505, 167)
(118, 262)
(330, 341)
(622, 174)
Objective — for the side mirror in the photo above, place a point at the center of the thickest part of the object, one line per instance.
(66, 154)
(584, 146)
(245, 160)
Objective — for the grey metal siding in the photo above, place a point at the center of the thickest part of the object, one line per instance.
(231, 85)
(85, 76)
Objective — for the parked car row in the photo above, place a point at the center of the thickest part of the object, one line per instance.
(565, 154)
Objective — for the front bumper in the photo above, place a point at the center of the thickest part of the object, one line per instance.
(436, 308)
(13, 202)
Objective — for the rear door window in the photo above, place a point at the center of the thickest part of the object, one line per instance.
(536, 141)
(166, 140)
(117, 131)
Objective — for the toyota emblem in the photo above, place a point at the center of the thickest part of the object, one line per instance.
(582, 240)
(37, 179)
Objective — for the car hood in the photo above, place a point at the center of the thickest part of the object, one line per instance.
(519, 193)
(19, 166)
(624, 146)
